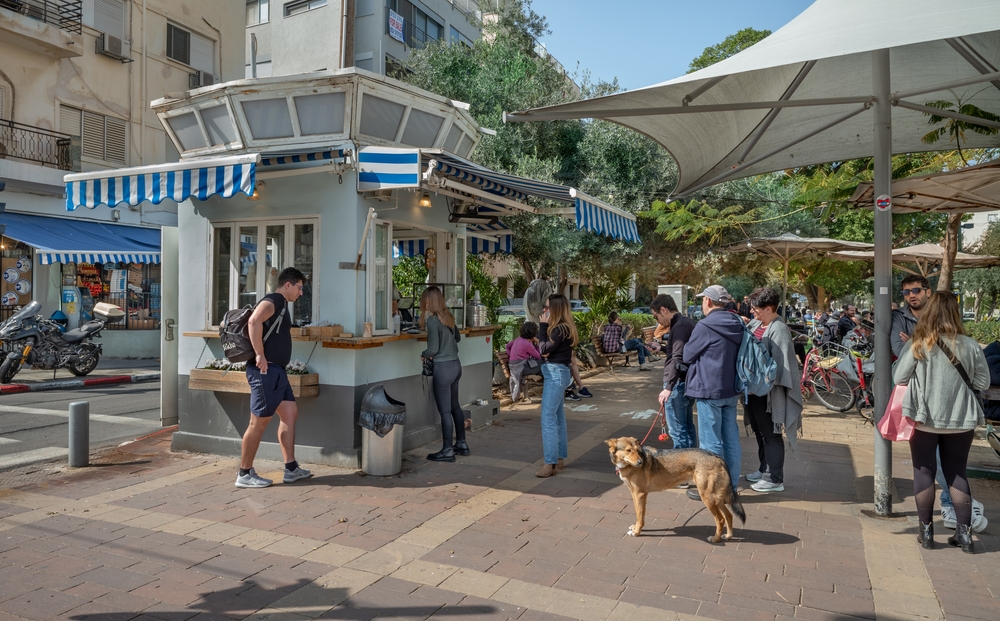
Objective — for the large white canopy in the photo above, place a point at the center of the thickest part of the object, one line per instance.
(925, 257)
(787, 93)
(976, 188)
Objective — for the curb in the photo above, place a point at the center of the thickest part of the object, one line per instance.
(79, 383)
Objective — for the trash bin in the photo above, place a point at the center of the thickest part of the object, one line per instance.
(382, 419)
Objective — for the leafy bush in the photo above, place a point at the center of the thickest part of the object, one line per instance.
(983, 331)
(409, 271)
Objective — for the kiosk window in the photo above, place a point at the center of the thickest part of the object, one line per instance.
(380, 277)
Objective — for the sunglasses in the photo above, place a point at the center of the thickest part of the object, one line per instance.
(913, 291)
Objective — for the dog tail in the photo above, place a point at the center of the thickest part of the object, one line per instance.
(735, 504)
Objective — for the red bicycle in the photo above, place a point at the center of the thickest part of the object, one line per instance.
(837, 377)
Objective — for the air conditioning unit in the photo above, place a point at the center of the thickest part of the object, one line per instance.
(113, 47)
(201, 78)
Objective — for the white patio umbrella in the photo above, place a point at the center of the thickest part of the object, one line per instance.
(803, 95)
(924, 256)
(788, 247)
(966, 190)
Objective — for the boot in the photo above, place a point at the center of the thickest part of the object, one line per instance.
(445, 454)
(546, 471)
(963, 538)
(925, 536)
(561, 464)
(462, 448)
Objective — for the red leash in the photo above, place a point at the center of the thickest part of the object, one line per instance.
(660, 417)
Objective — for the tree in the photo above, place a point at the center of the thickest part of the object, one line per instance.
(733, 44)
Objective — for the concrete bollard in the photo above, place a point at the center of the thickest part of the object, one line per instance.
(79, 434)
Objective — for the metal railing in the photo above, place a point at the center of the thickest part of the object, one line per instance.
(64, 14)
(36, 144)
(469, 7)
(412, 36)
(139, 310)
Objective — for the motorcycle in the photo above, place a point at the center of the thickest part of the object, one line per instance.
(34, 340)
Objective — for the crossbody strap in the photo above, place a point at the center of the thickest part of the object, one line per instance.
(956, 363)
(277, 323)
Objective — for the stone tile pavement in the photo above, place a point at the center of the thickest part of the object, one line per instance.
(157, 535)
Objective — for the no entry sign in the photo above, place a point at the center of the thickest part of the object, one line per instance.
(883, 202)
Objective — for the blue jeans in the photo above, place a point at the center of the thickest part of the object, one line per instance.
(554, 444)
(636, 345)
(719, 432)
(680, 418)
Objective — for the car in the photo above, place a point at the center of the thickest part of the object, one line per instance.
(642, 310)
(511, 312)
(969, 316)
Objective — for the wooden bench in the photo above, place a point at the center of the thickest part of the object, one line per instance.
(612, 356)
(526, 382)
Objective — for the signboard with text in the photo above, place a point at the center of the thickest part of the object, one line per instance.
(396, 26)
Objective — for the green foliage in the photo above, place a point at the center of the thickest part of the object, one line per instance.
(955, 128)
(489, 295)
(983, 331)
(738, 286)
(408, 272)
(731, 45)
(603, 297)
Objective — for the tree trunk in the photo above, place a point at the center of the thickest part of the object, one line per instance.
(950, 248)
(529, 270)
(978, 306)
(562, 280)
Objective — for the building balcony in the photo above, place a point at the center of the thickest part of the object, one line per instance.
(42, 146)
(50, 27)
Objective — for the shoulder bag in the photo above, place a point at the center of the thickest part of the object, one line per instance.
(961, 371)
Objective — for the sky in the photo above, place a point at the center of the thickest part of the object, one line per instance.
(644, 42)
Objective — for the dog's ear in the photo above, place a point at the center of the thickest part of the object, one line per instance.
(612, 443)
(633, 442)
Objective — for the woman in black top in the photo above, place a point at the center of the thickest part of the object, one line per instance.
(557, 338)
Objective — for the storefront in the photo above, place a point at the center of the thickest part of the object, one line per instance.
(335, 175)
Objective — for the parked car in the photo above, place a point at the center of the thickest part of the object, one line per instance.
(642, 310)
(578, 306)
(969, 316)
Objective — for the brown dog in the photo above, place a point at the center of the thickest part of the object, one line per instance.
(647, 470)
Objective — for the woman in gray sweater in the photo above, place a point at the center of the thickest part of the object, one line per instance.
(945, 409)
(442, 347)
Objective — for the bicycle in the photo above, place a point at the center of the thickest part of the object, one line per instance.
(837, 377)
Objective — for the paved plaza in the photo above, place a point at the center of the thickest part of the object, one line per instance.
(148, 534)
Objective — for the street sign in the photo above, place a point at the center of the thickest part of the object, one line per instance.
(883, 202)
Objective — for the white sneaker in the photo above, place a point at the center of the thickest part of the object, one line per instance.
(948, 516)
(295, 475)
(252, 479)
(755, 476)
(767, 486)
(979, 521)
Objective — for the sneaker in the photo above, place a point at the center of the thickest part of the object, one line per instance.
(585, 393)
(644, 367)
(979, 521)
(692, 493)
(296, 475)
(767, 486)
(572, 396)
(252, 479)
(753, 477)
(948, 516)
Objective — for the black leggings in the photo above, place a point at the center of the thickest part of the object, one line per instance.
(446, 376)
(954, 457)
(770, 445)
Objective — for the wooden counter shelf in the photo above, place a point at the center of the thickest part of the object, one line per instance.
(336, 342)
(236, 381)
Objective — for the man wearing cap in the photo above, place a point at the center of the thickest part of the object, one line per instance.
(710, 354)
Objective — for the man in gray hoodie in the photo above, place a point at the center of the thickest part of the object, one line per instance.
(711, 354)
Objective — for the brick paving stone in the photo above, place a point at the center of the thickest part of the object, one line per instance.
(812, 614)
(111, 603)
(22, 557)
(347, 612)
(469, 559)
(839, 602)
(727, 613)
(440, 596)
(535, 615)
(23, 583)
(56, 565)
(41, 604)
(589, 587)
(642, 597)
(171, 592)
(611, 575)
(88, 591)
(544, 573)
(115, 578)
(759, 604)
(760, 590)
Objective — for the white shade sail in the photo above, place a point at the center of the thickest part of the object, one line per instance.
(972, 189)
(925, 257)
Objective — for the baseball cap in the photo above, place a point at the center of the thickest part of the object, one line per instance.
(867, 325)
(716, 293)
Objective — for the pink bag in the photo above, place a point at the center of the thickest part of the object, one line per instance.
(894, 426)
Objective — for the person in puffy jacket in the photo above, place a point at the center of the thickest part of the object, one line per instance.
(711, 354)
(992, 353)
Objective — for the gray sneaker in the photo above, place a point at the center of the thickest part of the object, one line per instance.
(767, 486)
(252, 479)
(295, 475)
(755, 476)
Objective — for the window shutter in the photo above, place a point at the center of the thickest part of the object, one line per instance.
(178, 44)
(93, 135)
(109, 17)
(69, 120)
(202, 53)
(114, 149)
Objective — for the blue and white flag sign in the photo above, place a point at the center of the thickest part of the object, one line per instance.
(599, 217)
(385, 168)
(178, 181)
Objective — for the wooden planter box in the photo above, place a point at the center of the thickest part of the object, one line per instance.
(236, 381)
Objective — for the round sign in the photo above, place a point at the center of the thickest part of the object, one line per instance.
(24, 264)
(23, 286)
(883, 202)
(11, 275)
(9, 298)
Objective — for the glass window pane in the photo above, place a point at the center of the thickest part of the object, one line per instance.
(320, 114)
(380, 117)
(220, 127)
(268, 118)
(185, 127)
(382, 277)
(248, 266)
(275, 256)
(265, 11)
(304, 245)
(451, 142)
(421, 129)
(221, 257)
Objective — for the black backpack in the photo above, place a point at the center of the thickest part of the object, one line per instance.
(235, 333)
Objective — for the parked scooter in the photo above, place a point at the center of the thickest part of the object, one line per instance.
(38, 342)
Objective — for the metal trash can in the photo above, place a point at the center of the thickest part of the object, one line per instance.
(382, 419)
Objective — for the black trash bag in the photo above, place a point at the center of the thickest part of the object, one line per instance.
(379, 411)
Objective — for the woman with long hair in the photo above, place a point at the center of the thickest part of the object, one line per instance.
(942, 366)
(442, 349)
(557, 338)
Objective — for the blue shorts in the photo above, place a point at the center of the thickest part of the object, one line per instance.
(268, 390)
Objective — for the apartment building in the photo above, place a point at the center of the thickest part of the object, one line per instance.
(76, 79)
(288, 37)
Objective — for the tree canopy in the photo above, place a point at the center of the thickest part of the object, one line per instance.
(733, 44)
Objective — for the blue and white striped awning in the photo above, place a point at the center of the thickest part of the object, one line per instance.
(408, 247)
(297, 158)
(48, 258)
(592, 214)
(488, 238)
(178, 181)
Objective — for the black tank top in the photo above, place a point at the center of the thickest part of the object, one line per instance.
(278, 347)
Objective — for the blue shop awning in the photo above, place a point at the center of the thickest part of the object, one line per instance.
(592, 214)
(58, 240)
(178, 181)
(408, 247)
(488, 238)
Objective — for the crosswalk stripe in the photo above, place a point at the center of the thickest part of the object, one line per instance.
(101, 418)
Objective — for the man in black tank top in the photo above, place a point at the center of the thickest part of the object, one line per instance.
(270, 392)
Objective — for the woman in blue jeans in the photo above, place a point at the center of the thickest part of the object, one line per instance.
(557, 337)
(442, 348)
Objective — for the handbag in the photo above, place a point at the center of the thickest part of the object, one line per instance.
(894, 426)
(532, 366)
(428, 369)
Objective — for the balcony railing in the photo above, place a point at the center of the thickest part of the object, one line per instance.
(412, 36)
(64, 14)
(469, 7)
(25, 142)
